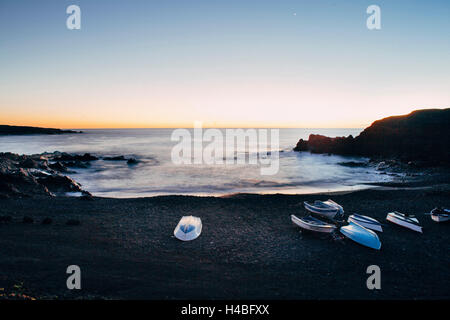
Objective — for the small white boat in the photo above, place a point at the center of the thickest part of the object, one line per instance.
(440, 214)
(328, 209)
(361, 235)
(189, 228)
(404, 220)
(366, 222)
(313, 224)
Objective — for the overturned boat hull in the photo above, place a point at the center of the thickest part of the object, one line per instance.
(328, 209)
(189, 228)
(440, 218)
(361, 235)
(313, 224)
(404, 221)
(440, 215)
(366, 222)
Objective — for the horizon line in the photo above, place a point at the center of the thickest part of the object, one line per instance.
(179, 127)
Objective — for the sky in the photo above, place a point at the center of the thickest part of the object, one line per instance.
(246, 63)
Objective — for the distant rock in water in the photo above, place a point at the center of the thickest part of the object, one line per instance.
(117, 158)
(72, 157)
(132, 161)
(422, 135)
(353, 164)
(21, 130)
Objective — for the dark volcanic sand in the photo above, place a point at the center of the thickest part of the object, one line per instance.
(249, 249)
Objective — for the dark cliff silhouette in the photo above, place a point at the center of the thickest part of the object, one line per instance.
(422, 135)
(19, 130)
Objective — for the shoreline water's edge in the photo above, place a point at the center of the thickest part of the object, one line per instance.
(51, 174)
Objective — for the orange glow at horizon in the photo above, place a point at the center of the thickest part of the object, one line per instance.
(217, 105)
(111, 123)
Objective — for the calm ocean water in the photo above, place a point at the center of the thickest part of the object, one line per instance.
(156, 174)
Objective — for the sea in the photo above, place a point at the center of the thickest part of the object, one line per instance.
(156, 173)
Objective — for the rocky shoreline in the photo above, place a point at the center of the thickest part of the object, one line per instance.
(48, 174)
(45, 175)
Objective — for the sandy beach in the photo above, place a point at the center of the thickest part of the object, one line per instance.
(249, 249)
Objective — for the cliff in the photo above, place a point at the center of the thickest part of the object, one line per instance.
(20, 130)
(422, 135)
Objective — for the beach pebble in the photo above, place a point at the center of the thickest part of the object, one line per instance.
(27, 219)
(73, 222)
(5, 219)
(47, 221)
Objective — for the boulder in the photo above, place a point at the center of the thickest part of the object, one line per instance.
(58, 166)
(20, 182)
(75, 157)
(60, 183)
(25, 176)
(117, 158)
(77, 164)
(322, 144)
(302, 145)
(30, 163)
(353, 164)
(132, 161)
(86, 157)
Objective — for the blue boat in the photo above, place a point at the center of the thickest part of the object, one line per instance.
(361, 235)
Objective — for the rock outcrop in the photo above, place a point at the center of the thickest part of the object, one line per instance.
(116, 158)
(63, 156)
(422, 135)
(27, 176)
(43, 174)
